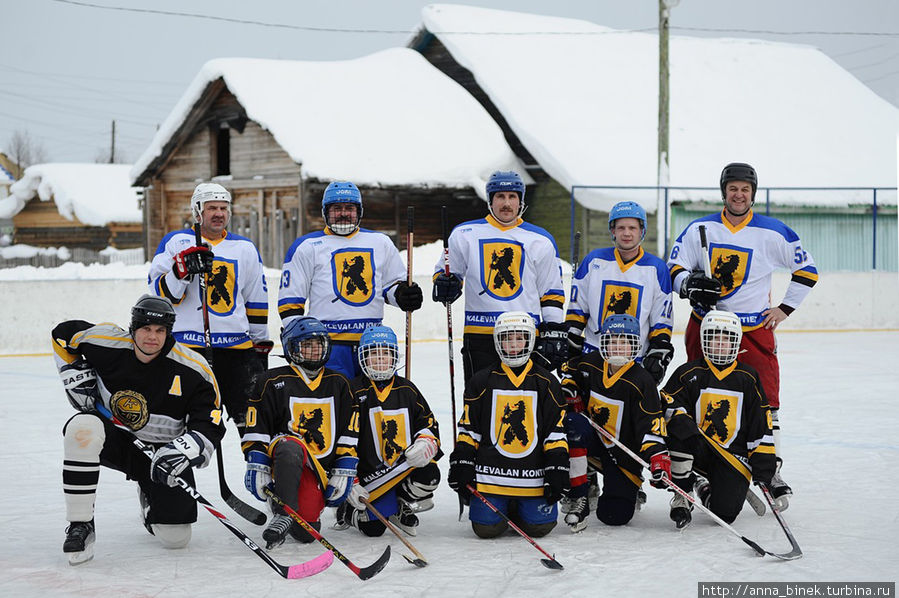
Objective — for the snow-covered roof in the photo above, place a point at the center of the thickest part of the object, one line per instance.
(789, 110)
(95, 194)
(389, 118)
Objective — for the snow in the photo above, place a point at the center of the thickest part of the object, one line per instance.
(94, 194)
(839, 448)
(585, 106)
(389, 118)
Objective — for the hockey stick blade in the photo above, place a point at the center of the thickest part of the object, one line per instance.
(552, 564)
(299, 571)
(755, 502)
(246, 511)
(419, 561)
(795, 551)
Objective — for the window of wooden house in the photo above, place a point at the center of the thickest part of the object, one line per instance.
(223, 150)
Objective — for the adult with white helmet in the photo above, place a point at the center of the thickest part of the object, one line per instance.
(236, 295)
(744, 249)
(134, 373)
(511, 444)
(344, 275)
(719, 424)
(506, 264)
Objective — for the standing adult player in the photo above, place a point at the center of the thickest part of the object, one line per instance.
(744, 249)
(506, 264)
(624, 279)
(343, 276)
(399, 442)
(302, 428)
(511, 445)
(236, 296)
(168, 397)
(719, 425)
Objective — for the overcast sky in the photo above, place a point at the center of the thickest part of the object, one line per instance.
(69, 67)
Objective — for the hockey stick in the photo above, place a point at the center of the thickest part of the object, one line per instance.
(246, 511)
(696, 503)
(796, 552)
(420, 560)
(410, 225)
(549, 563)
(311, 567)
(449, 319)
(755, 502)
(362, 573)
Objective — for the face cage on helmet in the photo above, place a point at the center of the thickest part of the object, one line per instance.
(717, 354)
(371, 354)
(294, 351)
(607, 347)
(520, 358)
(343, 230)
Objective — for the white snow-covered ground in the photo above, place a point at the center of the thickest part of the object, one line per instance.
(839, 393)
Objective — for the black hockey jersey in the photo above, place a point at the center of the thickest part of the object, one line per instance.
(320, 412)
(729, 407)
(625, 403)
(512, 427)
(159, 400)
(390, 419)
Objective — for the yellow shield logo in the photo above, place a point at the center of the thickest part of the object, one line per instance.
(620, 298)
(730, 265)
(221, 286)
(353, 275)
(392, 434)
(502, 263)
(513, 428)
(608, 413)
(313, 420)
(719, 413)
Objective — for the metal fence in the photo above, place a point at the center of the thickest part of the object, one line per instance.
(845, 228)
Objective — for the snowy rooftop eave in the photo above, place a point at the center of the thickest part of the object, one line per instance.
(389, 118)
(582, 98)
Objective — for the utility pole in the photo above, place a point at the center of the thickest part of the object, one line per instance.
(112, 145)
(662, 180)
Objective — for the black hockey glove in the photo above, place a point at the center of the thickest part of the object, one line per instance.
(461, 473)
(408, 297)
(553, 343)
(447, 288)
(170, 461)
(193, 260)
(657, 358)
(702, 291)
(575, 344)
(80, 381)
(555, 483)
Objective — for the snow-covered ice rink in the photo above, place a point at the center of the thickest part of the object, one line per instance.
(841, 449)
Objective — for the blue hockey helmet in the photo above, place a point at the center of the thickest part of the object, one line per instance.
(337, 193)
(505, 180)
(378, 352)
(619, 339)
(739, 171)
(628, 209)
(308, 356)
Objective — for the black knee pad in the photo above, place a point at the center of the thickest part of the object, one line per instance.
(489, 531)
(615, 511)
(537, 530)
(372, 529)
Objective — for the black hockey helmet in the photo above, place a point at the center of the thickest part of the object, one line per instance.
(739, 171)
(151, 309)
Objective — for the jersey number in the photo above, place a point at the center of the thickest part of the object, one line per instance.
(800, 255)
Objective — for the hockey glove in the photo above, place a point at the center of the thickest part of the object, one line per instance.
(193, 260)
(659, 468)
(657, 358)
(447, 288)
(553, 343)
(575, 344)
(461, 474)
(702, 291)
(171, 460)
(421, 451)
(80, 381)
(408, 297)
(555, 483)
(340, 482)
(259, 474)
(357, 494)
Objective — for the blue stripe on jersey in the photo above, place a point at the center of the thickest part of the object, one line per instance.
(299, 241)
(250, 305)
(605, 253)
(716, 217)
(540, 231)
(166, 238)
(662, 274)
(286, 300)
(773, 224)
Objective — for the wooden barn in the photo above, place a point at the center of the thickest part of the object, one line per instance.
(85, 206)
(275, 133)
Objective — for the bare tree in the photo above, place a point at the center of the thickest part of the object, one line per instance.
(24, 150)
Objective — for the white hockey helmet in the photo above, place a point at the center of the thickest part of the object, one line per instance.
(721, 334)
(208, 192)
(509, 326)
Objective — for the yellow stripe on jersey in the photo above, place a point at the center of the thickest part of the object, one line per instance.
(257, 312)
(508, 490)
(478, 330)
(558, 444)
(813, 276)
(346, 336)
(286, 307)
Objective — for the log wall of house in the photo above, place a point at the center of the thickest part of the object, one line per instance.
(40, 224)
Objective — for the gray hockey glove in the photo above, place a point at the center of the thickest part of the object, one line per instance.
(80, 381)
(170, 461)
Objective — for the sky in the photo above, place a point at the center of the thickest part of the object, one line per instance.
(69, 68)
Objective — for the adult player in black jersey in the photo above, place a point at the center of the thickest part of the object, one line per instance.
(511, 445)
(302, 429)
(399, 442)
(719, 423)
(619, 395)
(163, 391)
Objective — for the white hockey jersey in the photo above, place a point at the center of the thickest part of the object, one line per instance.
(604, 285)
(236, 293)
(342, 281)
(742, 258)
(505, 268)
